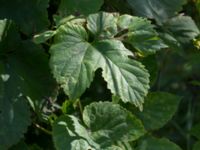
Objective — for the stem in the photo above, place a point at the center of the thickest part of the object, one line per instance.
(43, 129)
(80, 106)
(179, 129)
(189, 123)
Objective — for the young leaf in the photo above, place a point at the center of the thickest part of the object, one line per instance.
(84, 7)
(160, 10)
(106, 124)
(74, 60)
(141, 34)
(102, 25)
(152, 143)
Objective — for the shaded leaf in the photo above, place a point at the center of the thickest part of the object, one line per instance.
(195, 131)
(20, 78)
(160, 10)
(183, 28)
(85, 7)
(196, 146)
(159, 108)
(34, 21)
(152, 143)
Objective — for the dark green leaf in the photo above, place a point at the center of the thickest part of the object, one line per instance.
(78, 7)
(160, 10)
(31, 15)
(24, 74)
(196, 146)
(152, 143)
(196, 131)
(183, 28)
(159, 108)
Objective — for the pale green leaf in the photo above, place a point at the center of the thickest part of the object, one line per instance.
(160, 10)
(104, 125)
(77, 7)
(152, 143)
(74, 61)
(43, 37)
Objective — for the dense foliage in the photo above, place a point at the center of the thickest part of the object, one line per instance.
(99, 74)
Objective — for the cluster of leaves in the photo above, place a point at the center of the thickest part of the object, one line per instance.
(99, 75)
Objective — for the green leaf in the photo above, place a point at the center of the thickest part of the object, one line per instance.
(67, 131)
(106, 123)
(160, 10)
(20, 78)
(196, 146)
(152, 143)
(20, 146)
(150, 62)
(196, 131)
(124, 145)
(102, 25)
(71, 60)
(159, 108)
(43, 37)
(141, 34)
(14, 111)
(183, 28)
(122, 127)
(74, 61)
(9, 37)
(84, 7)
(31, 16)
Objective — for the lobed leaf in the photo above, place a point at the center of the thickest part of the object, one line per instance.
(141, 34)
(74, 61)
(105, 124)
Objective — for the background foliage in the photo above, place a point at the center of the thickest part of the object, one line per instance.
(100, 75)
